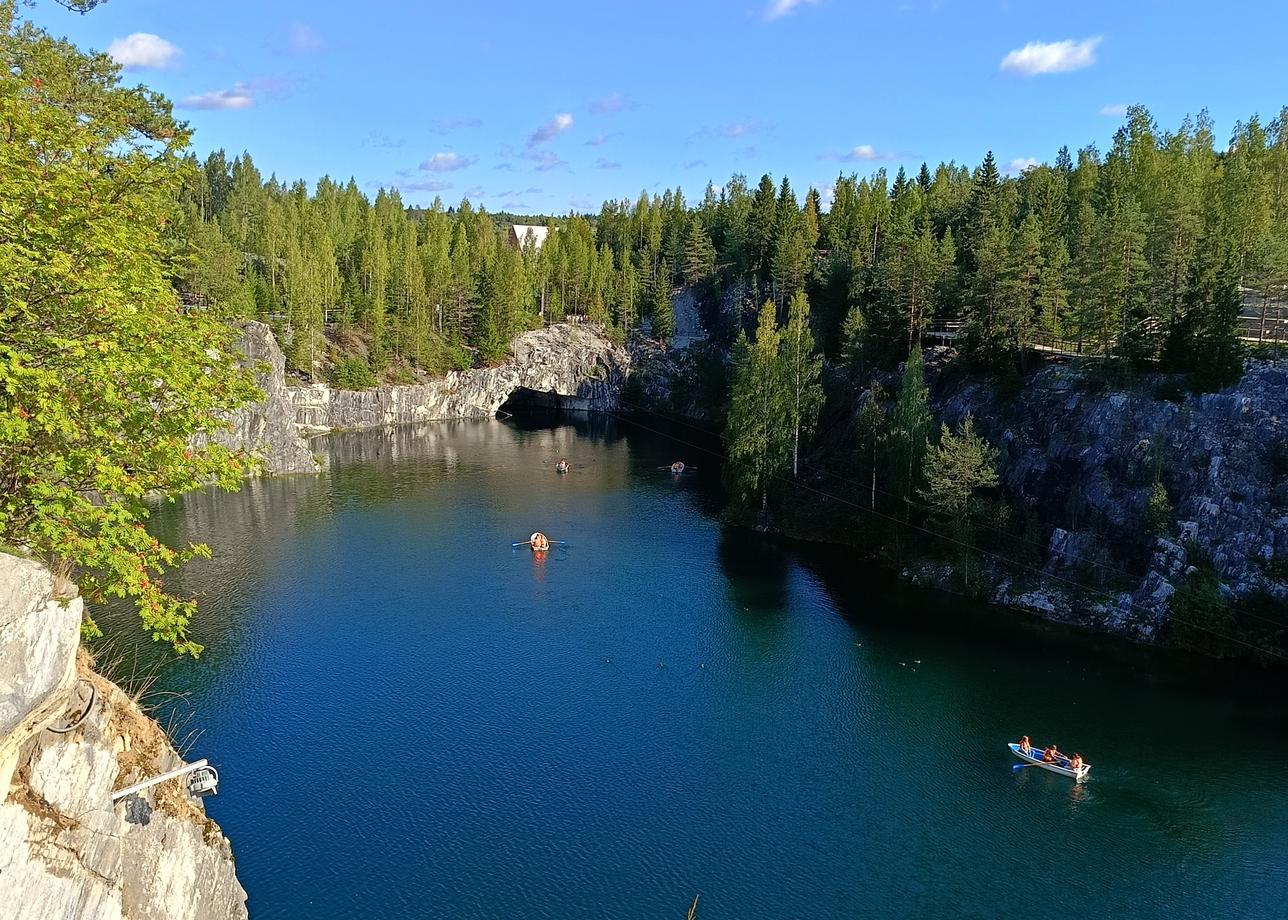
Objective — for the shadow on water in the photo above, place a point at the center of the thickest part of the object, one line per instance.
(756, 571)
(836, 730)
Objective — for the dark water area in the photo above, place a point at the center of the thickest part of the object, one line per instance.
(413, 719)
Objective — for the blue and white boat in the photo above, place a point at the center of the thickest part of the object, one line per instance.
(1061, 766)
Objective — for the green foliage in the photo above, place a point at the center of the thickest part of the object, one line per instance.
(352, 374)
(757, 442)
(960, 465)
(854, 343)
(699, 253)
(910, 428)
(663, 312)
(105, 380)
(1158, 511)
(956, 468)
(1201, 612)
(802, 370)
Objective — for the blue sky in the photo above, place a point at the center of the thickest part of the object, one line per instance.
(557, 105)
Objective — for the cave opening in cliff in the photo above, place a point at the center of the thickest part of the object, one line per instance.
(525, 400)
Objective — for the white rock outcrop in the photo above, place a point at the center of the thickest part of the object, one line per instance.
(66, 851)
(573, 366)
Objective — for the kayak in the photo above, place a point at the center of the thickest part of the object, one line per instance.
(1034, 757)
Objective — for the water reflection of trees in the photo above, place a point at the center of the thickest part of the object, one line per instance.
(246, 531)
(756, 570)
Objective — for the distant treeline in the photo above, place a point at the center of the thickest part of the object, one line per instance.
(1137, 255)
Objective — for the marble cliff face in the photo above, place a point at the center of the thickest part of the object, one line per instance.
(65, 849)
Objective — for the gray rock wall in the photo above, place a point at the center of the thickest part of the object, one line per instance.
(65, 850)
(1085, 458)
(580, 366)
(267, 428)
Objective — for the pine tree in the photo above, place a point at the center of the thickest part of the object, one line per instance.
(956, 468)
(663, 312)
(762, 222)
(793, 256)
(854, 343)
(699, 254)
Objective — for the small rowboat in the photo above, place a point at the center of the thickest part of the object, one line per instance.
(539, 542)
(562, 466)
(1034, 758)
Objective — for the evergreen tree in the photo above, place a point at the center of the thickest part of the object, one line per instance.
(663, 312)
(854, 343)
(956, 469)
(699, 254)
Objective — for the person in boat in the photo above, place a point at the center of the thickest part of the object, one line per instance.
(1050, 754)
(539, 542)
(1075, 762)
(562, 465)
(677, 467)
(1026, 747)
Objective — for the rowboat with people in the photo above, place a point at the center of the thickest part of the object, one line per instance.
(1049, 758)
(563, 465)
(539, 542)
(679, 467)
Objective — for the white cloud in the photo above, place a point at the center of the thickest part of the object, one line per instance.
(1019, 165)
(1116, 111)
(864, 153)
(695, 164)
(303, 38)
(777, 9)
(143, 51)
(1052, 57)
(555, 126)
(602, 163)
(446, 162)
(239, 96)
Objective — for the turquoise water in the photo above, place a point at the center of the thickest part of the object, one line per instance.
(411, 719)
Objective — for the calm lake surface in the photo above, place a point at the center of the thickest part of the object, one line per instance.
(411, 719)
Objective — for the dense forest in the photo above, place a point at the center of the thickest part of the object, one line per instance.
(1137, 255)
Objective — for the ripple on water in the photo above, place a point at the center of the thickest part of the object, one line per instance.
(411, 720)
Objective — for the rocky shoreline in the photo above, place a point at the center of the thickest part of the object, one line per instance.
(1080, 457)
(571, 366)
(66, 850)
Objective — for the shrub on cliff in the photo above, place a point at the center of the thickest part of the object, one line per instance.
(352, 374)
(104, 378)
